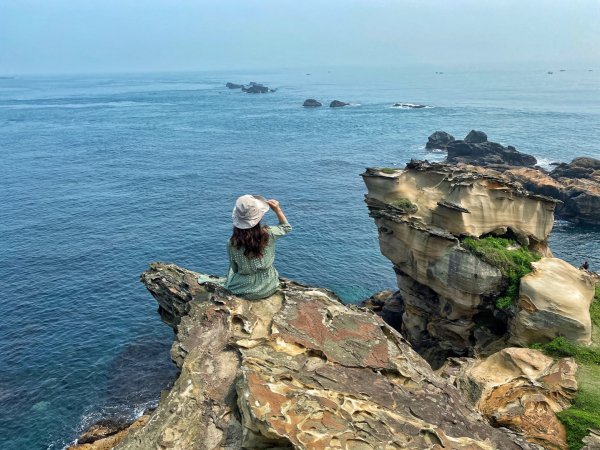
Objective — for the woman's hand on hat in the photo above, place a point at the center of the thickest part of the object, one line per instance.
(274, 204)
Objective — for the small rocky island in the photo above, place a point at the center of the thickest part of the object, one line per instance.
(251, 88)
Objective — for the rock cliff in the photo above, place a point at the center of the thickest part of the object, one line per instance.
(425, 215)
(298, 370)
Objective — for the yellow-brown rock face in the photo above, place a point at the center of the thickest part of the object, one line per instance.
(299, 370)
(554, 300)
(422, 214)
(519, 388)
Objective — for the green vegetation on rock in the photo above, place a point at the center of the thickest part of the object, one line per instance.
(389, 170)
(584, 413)
(404, 205)
(512, 260)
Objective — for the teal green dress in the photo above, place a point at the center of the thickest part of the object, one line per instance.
(255, 278)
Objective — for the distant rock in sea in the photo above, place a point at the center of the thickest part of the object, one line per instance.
(256, 88)
(311, 103)
(337, 104)
(252, 88)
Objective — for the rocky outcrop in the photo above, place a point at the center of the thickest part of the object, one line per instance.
(311, 103)
(231, 85)
(423, 214)
(519, 388)
(106, 435)
(544, 310)
(576, 185)
(337, 104)
(299, 370)
(439, 140)
(476, 149)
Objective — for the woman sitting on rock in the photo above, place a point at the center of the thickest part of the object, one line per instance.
(251, 249)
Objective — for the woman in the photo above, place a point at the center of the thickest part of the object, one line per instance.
(251, 248)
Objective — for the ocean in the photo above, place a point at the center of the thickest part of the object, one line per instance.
(100, 175)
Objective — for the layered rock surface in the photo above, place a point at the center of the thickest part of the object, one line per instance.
(519, 388)
(422, 214)
(298, 370)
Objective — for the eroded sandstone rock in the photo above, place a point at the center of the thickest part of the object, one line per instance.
(299, 370)
(554, 300)
(519, 388)
(448, 293)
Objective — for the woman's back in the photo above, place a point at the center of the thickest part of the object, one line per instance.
(255, 277)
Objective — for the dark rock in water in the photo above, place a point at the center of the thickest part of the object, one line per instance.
(102, 429)
(311, 103)
(439, 140)
(408, 106)
(337, 104)
(582, 167)
(255, 88)
(476, 137)
(234, 86)
(477, 150)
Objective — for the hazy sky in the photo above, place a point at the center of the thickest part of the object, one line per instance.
(62, 36)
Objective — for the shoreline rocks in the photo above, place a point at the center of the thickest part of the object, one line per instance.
(299, 370)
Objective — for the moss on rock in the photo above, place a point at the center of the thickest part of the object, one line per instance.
(512, 260)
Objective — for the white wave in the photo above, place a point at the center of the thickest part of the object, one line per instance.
(410, 106)
(545, 163)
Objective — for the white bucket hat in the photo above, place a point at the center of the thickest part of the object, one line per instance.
(248, 211)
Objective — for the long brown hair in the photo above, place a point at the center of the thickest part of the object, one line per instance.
(253, 240)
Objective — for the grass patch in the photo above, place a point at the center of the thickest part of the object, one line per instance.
(561, 348)
(584, 412)
(404, 205)
(512, 262)
(389, 170)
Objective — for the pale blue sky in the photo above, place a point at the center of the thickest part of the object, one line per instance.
(64, 36)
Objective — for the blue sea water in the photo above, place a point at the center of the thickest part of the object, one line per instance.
(100, 175)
